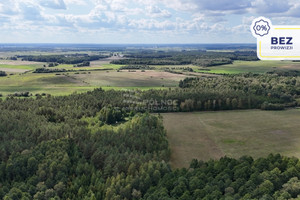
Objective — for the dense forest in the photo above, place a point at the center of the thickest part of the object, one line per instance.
(63, 59)
(274, 177)
(58, 147)
(245, 91)
(105, 144)
(199, 58)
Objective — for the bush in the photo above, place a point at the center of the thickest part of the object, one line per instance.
(84, 64)
(2, 73)
(52, 64)
(43, 70)
(20, 94)
(271, 106)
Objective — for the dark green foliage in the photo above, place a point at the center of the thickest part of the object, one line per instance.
(271, 106)
(45, 70)
(2, 73)
(20, 94)
(142, 67)
(84, 64)
(48, 151)
(110, 115)
(200, 58)
(12, 58)
(63, 59)
(269, 92)
(53, 64)
(245, 178)
(290, 73)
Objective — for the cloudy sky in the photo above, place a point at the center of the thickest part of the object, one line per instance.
(139, 21)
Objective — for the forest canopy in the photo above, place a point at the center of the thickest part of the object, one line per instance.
(199, 58)
(63, 59)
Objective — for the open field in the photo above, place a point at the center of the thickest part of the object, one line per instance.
(20, 62)
(131, 79)
(18, 68)
(211, 135)
(66, 83)
(251, 66)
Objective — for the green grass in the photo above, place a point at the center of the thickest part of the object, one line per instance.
(251, 66)
(211, 135)
(27, 67)
(112, 66)
(16, 69)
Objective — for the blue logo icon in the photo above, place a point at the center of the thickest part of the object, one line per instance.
(261, 28)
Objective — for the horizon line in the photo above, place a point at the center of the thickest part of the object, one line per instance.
(1, 43)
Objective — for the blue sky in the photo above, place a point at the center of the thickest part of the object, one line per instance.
(139, 21)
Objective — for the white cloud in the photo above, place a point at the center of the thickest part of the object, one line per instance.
(155, 11)
(30, 11)
(76, 2)
(8, 7)
(270, 6)
(54, 4)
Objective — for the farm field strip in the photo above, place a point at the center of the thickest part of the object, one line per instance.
(251, 66)
(66, 83)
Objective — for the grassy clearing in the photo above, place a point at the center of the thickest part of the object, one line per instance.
(211, 135)
(251, 66)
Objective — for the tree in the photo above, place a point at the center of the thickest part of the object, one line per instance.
(60, 188)
(234, 103)
(111, 115)
(266, 187)
(292, 187)
(2, 73)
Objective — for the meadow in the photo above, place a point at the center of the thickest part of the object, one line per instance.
(251, 66)
(212, 135)
(69, 82)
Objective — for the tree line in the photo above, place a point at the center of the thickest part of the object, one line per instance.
(199, 58)
(63, 59)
